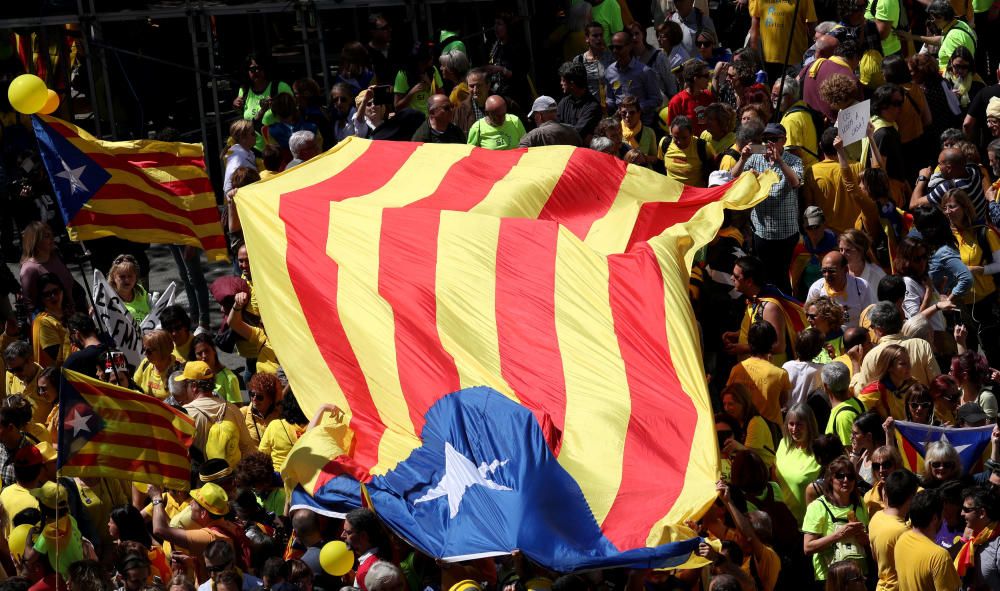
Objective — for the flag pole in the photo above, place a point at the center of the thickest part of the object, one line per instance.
(784, 70)
(101, 329)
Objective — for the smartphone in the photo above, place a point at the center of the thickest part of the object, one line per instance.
(382, 95)
(758, 149)
(118, 361)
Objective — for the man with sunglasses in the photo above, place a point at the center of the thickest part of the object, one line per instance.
(978, 561)
(627, 76)
(220, 557)
(842, 287)
(22, 378)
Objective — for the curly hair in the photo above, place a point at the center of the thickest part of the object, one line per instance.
(265, 382)
(827, 309)
(744, 72)
(924, 68)
(691, 70)
(254, 467)
(838, 89)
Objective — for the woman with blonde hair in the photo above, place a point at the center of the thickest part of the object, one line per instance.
(856, 247)
(39, 256)
(941, 464)
(123, 277)
(795, 464)
(154, 370)
(885, 393)
(241, 154)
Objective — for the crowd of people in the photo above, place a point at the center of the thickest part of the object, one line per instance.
(861, 292)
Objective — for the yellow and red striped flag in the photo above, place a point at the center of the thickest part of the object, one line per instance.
(438, 295)
(144, 191)
(112, 432)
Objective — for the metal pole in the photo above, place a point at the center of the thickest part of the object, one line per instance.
(322, 53)
(784, 71)
(91, 87)
(300, 13)
(207, 26)
(193, 32)
(107, 85)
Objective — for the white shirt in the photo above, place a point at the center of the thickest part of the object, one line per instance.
(912, 300)
(238, 157)
(872, 274)
(805, 378)
(855, 297)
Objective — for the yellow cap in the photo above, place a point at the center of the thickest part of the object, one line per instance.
(47, 450)
(466, 585)
(196, 370)
(212, 498)
(51, 495)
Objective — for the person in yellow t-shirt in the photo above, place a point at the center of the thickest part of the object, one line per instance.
(175, 320)
(48, 335)
(770, 25)
(769, 385)
(889, 524)
(922, 565)
(17, 497)
(801, 133)
(253, 341)
(154, 370)
(281, 435)
(720, 123)
(22, 378)
(685, 157)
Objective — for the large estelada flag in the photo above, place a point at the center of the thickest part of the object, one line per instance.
(971, 443)
(509, 338)
(112, 432)
(144, 190)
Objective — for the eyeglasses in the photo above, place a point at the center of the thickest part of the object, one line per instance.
(939, 465)
(50, 293)
(843, 476)
(888, 465)
(705, 44)
(217, 568)
(811, 316)
(969, 509)
(615, 47)
(919, 405)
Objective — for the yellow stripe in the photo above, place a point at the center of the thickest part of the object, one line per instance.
(128, 452)
(185, 202)
(610, 233)
(118, 405)
(419, 176)
(258, 204)
(134, 206)
(466, 298)
(597, 391)
(369, 324)
(140, 429)
(106, 472)
(523, 192)
(184, 150)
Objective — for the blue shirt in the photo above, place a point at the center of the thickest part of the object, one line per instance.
(945, 263)
(636, 80)
(777, 216)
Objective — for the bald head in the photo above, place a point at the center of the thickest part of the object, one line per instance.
(855, 336)
(951, 161)
(440, 112)
(835, 270)
(826, 45)
(496, 110)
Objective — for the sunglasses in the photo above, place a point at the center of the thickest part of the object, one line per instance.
(969, 509)
(816, 227)
(256, 395)
(843, 476)
(615, 47)
(919, 405)
(888, 465)
(705, 44)
(938, 465)
(811, 316)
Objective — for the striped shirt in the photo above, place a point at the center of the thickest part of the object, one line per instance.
(971, 184)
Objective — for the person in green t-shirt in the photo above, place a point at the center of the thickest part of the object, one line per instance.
(498, 130)
(837, 383)
(253, 101)
(835, 525)
(885, 14)
(418, 81)
(609, 14)
(953, 32)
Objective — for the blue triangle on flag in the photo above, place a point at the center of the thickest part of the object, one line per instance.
(78, 421)
(74, 175)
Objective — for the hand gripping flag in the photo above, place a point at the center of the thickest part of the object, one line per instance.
(912, 440)
(508, 337)
(144, 191)
(112, 432)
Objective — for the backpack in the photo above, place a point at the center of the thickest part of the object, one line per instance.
(223, 439)
(701, 146)
(819, 124)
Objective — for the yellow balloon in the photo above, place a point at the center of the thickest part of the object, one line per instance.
(18, 539)
(51, 103)
(27, 94)
(336, 559)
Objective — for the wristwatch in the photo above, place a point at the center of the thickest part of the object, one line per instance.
(157, 501)
(923, 178)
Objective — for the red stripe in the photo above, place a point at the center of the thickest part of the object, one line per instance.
(142, 221)
(636, 295)
(98, 459)
(470, 180)
(909, 452)
(140, 444)
(139, 159)
(314, 276)
(406, 280)
(177, 188)
(526, 324)
(157, 201)
(584, 192)
(655, 217)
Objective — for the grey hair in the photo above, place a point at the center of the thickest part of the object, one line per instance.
(457, 62)
(825, 27)
(602, 144)
(836, 377)
(299, 140)
(917, 327)
(383, 574)
(17, 350)
(790, 87)
(175, 386)
(886, 317)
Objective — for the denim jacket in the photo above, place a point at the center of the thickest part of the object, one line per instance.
(946, 264)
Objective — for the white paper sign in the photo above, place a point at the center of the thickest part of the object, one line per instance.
(153, 318)
(852, 122)
(116, 319)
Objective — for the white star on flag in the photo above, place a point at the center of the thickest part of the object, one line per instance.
(73, 176)
(459, 475)
(958, 448)
(79, 422)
